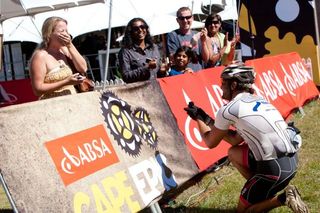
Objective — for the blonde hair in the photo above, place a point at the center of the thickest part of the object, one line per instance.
(47, 29)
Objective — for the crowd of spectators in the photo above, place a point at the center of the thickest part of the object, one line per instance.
(139, 58)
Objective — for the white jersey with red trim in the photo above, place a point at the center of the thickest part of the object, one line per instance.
(259, 123)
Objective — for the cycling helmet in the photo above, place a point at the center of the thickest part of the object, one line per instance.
(244, 74)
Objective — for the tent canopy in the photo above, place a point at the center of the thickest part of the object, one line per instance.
(14, 8)
(160, 15)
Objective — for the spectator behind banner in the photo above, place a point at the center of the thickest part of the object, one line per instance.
(183, 37)
(50, 71)
(182, 57)
(216, 50)
(139, 57)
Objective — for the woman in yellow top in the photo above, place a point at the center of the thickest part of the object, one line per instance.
(216, 50)
(50, 71)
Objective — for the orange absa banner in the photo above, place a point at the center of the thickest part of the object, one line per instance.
(82, 153)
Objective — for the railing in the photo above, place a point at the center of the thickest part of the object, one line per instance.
(99, 85)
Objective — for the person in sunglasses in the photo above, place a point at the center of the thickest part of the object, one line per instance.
(216, 50)
(183, 37)
(139, 57)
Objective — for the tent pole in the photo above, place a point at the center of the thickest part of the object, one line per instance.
(1, 45)
(250, 29)
(108, 48)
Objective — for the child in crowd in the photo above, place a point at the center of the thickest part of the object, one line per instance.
(182, 57)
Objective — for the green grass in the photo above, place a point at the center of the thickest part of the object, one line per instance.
(4, 202)
(219, 191)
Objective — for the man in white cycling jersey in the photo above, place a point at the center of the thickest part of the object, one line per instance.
(262, 148)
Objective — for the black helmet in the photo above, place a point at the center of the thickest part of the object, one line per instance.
(244, 74)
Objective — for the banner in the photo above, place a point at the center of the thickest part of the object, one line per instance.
(16, 92)
(116, 151)
(282, 80)
(122, 149)
(203, 89)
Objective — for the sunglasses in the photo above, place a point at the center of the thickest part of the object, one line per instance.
(137, 28)
(214, 22)
(181, 18)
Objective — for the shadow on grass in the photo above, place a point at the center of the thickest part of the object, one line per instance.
(195, 210)
(6, 211)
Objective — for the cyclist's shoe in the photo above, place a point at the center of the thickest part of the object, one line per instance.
(294, 201)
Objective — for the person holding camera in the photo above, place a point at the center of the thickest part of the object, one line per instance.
(50, 69)
(139, 57)
(216, 50)
(264, 147)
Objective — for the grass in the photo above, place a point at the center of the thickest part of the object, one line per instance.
(219, 191)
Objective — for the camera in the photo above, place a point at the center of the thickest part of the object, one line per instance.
(148, 60)
(80, 77)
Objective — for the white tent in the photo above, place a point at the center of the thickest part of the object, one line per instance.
(15, 8)
(160, 15)
(82, 20)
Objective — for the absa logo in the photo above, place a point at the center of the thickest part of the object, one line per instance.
(81, 154)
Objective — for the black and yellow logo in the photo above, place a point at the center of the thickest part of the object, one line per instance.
(128, 127)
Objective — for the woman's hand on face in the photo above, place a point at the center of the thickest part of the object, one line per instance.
(65, 38)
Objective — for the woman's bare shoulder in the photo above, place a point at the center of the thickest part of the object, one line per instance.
(40, 54)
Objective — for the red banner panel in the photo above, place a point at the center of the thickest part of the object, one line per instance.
(282, 80)
(16, 92)
(203, 89)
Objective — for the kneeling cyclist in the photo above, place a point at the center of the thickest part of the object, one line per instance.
(262, 149)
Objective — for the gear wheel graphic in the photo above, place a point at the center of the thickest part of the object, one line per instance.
(146, 129)
(124, 129)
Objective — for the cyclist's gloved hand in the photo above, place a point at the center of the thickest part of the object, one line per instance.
(197, 113)
(294, 134)
(291, 124)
